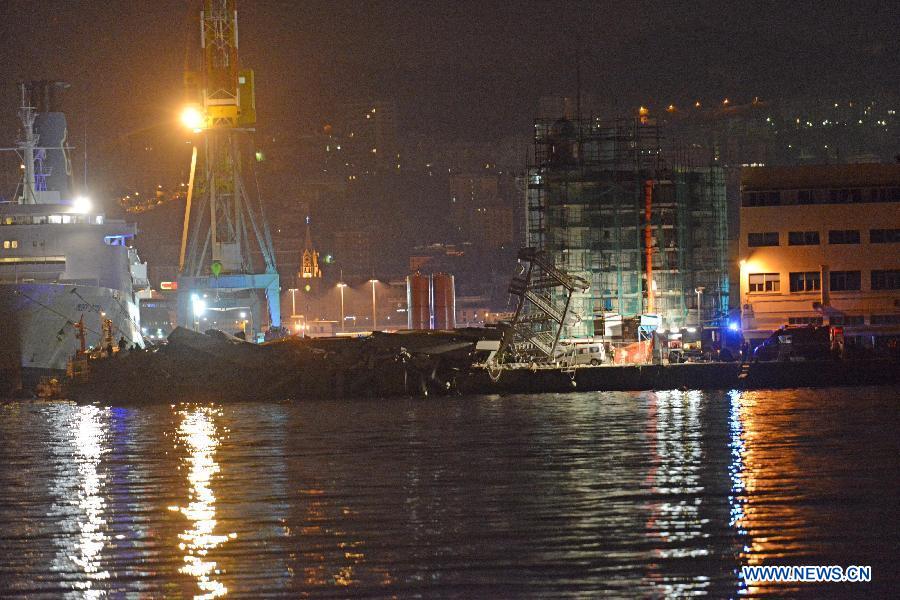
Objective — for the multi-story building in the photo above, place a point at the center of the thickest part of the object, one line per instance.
(821, 245)
(646, 233)
(481, 208)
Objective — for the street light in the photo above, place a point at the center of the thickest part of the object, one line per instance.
(82, 205)
(374, 319)
(293, 301)
(199, 307)
(192, 118)
(341, 286)
(699, 291)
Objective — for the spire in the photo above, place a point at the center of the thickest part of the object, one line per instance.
(309, 262)
(308, 245)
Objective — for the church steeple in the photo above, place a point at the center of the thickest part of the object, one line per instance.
(309, 262)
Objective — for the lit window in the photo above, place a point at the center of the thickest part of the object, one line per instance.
(6, 244)
(14, 244)
(765, 282)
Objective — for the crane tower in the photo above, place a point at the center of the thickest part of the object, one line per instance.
(222, 224)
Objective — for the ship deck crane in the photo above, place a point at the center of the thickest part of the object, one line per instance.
(222, 224)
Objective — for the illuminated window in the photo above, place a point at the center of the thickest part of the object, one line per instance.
(14, 244)
(6, 245)
(765, 282)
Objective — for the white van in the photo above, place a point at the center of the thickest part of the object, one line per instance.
(584, 352)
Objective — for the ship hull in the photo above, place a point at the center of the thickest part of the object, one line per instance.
(38, 321)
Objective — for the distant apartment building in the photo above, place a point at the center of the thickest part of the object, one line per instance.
(480, 210)
(821, 245)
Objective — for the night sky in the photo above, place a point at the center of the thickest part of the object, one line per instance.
(458, 70)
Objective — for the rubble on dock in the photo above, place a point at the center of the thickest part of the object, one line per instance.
(216, 366)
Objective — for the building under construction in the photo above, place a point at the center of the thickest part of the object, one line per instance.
(607, 204)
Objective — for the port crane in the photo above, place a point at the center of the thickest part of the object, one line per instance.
(222, 224)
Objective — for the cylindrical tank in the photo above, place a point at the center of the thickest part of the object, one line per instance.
(444, 293)
(418, 301)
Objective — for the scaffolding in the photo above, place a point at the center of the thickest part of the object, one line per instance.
(587, 206)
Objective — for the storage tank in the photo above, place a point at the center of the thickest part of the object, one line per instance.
(444, 294)
(418, 301)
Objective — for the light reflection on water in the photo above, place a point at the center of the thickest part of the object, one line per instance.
(79, 505)
(677, 521)
(651, 494)
(198, 434)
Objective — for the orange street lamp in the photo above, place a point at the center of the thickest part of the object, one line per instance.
(374, 318)
(192, 118)
(341, 286)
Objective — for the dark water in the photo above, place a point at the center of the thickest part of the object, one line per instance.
(648, 494)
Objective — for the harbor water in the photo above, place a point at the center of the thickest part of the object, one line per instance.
(624, 494)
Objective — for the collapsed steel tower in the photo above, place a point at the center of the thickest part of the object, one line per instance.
(539, 319)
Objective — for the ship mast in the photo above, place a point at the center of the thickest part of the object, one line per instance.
(27, 146)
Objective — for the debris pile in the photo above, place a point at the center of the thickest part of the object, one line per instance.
(215, 366)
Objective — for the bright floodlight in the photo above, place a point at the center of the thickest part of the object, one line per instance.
(192, 118)
(243, 315)
(199, 306)
(82, 204)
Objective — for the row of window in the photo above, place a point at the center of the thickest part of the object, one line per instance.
(54, 219)
(820, 196)
(13, 244)
(846, 320)
(811, 281)
(811, 238)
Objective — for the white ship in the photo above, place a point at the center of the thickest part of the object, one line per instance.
(61, 260)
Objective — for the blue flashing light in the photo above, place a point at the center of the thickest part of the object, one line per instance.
(733, 326)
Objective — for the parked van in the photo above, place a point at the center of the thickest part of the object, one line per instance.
(584, 353)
